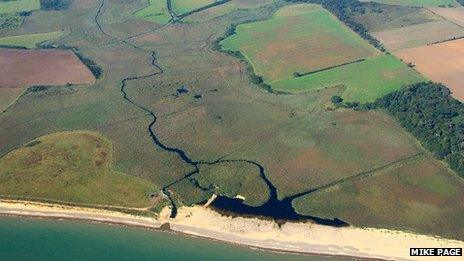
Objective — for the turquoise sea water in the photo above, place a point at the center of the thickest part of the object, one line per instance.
(41, 239)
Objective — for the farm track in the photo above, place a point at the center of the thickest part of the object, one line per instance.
(444, 18)
(272, 202)
(359, 176)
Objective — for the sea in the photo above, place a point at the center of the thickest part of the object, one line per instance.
(24, 238)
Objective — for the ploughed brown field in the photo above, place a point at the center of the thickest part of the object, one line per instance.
(442, 62)
(455, 15)
(419, 35)
(22, 68)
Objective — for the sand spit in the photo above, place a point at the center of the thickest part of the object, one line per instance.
(253, 232)
(35, 209)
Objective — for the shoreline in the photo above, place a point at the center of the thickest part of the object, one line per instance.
(295, 238)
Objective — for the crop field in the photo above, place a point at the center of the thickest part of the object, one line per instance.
(420, 194)
(442, 62)
(23, 68)
(431, 3)
(156, 12)
(173, 105)
(17, 6)
(419, 35)
(455, 15)
(381, 17)
(72, 167)
(41, 67)
(381, 75)
(297, 39)
(184, 6)
(30, 40)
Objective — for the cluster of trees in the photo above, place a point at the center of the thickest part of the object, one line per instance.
(48, 5)
(344, 10)
(13, 20)
(96, 70)
(428, 111)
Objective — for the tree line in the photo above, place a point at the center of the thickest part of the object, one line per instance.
(94, 68)
(431, 114)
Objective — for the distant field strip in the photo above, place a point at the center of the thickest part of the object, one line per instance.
(385, 17)
(224, 9)
(17, 6)
(365, 81)
(184, 6)
(30, 40)
(416, 2)
(297, 38)
(418, 35)
(455, 15)
(156, 11)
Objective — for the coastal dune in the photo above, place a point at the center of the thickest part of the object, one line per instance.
(253, 232)
(305, 237)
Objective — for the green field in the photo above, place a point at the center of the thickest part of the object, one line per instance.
(420, 194)
(304, 39)
(184, 6)
(430, 3)
(74, 167)
(30, 40)
(17, 6)
(156, 12)
(365, 81)
(297, 38)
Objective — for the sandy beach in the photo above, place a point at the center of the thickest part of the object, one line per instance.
(253, 232)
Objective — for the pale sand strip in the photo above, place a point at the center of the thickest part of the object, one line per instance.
(253, 232)
(25, 208)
